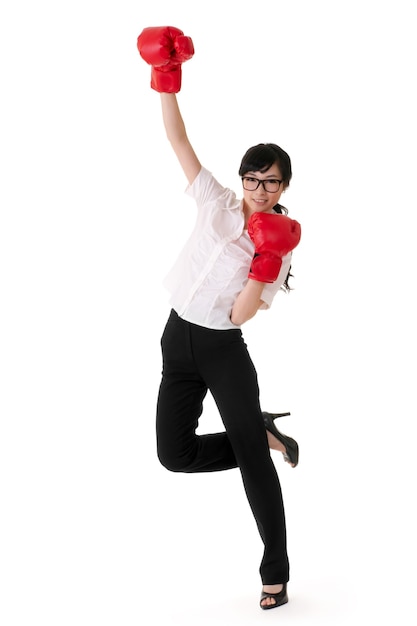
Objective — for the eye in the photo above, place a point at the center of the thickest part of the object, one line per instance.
(250, 179)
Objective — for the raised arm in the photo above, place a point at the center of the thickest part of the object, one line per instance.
(177, 136)
(166, 48)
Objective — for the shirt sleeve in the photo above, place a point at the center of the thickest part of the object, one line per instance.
(206, 189)
(271, 289)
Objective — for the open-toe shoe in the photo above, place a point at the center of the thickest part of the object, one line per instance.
(279, 598)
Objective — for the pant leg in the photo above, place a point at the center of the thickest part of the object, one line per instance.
(180, 404)
(225, 364)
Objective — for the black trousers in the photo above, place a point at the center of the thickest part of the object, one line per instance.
(198, 359)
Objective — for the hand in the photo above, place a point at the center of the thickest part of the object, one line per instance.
(274, 236)
(165, 48)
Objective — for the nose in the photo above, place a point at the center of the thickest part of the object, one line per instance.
(261, 189)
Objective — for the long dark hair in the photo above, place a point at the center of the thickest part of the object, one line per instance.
(278, 208)
(259, 158)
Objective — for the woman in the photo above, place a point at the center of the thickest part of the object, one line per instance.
(235, 261)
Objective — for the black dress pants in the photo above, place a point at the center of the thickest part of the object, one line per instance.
(197, 359)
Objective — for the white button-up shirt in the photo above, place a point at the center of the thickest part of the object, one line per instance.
(213, 266)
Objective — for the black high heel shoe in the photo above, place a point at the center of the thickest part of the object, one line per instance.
(279, 598)
(291, 446)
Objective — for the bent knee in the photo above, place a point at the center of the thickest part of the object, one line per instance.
(172, 462)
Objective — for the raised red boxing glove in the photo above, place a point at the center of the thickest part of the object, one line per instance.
(165, 48)
(274, 236)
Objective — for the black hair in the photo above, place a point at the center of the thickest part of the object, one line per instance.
(260, 158)
(278, 208)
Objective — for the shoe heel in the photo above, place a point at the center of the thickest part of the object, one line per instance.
(275, 416)
(292, 451)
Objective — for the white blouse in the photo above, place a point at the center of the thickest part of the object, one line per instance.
(213, 266)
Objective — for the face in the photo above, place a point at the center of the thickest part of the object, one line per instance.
(259, 199)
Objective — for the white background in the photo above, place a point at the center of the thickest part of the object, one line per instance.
(93, 529)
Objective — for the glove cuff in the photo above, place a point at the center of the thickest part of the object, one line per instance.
(265, 267)
(168, 80)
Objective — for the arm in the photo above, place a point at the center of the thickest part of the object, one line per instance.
(274, 236)
(247, 303)
(177, 136)
(166, 48)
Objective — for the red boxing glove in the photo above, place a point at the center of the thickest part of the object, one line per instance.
(274, 236)
(165, 48)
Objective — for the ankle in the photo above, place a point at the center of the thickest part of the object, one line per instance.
(273, 588)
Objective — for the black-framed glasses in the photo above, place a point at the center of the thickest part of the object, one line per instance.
(271, 185)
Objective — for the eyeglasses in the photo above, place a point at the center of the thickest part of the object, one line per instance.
(271, 185)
